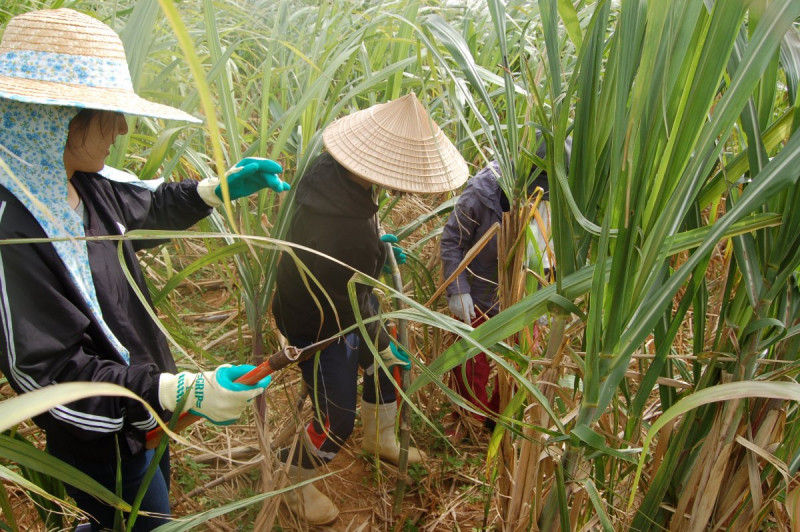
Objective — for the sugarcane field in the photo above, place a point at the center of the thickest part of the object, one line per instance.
(418, 265)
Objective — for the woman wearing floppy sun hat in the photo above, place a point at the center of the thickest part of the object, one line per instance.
(67, 310)
(394, 145)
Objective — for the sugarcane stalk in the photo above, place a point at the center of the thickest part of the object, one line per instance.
(405, 425)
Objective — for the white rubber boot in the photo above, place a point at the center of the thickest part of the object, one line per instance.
(379, 433)
(307, 502)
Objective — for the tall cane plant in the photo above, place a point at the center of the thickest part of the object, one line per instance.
(675, 218)
(657, 97)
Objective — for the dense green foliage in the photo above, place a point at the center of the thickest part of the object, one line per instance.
(675, 224)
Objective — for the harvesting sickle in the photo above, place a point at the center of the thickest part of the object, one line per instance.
(252, 381)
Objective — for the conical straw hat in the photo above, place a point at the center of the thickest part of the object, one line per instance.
(398, 146)
(62, 57)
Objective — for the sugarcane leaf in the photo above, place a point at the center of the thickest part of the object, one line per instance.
(790, 58)
(778, 174)
(597, 442)
(569, 16)
(192, 522)
(207, 103)
(598, 504)
(763, 324)
(440, 210)
(732, 172)
(747, 259)
(213, 257)
(17, 479)
(557, 301)
(17, 409)
(26, 455)
(787, 391)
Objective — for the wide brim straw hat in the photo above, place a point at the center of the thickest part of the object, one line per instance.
(398, 146)
(63, 57)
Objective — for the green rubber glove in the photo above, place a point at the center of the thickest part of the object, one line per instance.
(399, 255)
(253, 174)
(227, 375)
(394, 355)
(212, 394)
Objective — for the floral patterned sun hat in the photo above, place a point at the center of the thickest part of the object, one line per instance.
(53, 63)
(63, 57)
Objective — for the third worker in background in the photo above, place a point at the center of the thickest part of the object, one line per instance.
(472, 296)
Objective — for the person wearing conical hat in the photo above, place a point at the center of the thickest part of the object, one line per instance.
(394, 145)
(67, 310)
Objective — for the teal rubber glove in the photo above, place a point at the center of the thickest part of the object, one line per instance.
(227, 375)
(211, 394)
(399, 255)
(394, 355)
(253, 174)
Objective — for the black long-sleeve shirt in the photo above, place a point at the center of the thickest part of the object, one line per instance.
(49, 335)
(335, 216)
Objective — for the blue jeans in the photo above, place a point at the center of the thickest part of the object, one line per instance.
(334, 397)
(133, 468)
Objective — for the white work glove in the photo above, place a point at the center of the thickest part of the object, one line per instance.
(212, 394)
(248, 176)
(206, 188)
(462, 307)
(394, 355)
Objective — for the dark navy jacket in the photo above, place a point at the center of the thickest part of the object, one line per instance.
(477, 209)
(480, 205)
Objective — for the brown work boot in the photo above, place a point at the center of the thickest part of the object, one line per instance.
(307, 502)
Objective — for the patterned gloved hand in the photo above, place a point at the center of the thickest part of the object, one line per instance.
(399, 255)
(253, 174)
(462, 307)
(212, 394)
(394, 355)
